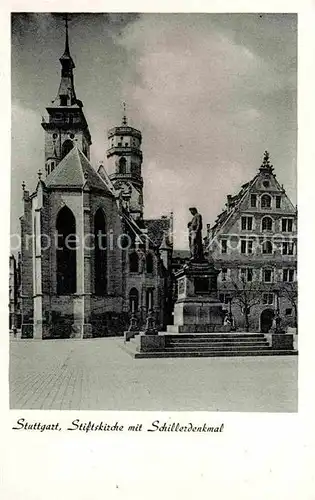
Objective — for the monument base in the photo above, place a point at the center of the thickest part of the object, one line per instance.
(152, 343)
(197, 309)
(281, 341)
(194, 328)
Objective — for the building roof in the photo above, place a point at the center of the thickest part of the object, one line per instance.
(235, 202)
(75, 171)
(156, 229)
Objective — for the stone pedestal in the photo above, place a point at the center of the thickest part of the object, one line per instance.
(197, 309)
(150, 328)
(152, 343)
(133, 328)
(282, 341)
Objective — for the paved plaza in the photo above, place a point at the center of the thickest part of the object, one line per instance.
(100, 374)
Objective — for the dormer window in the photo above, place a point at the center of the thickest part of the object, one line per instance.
(253, 200)
(278, 201)
(266, 224)
(247, 223)
(266, 184)
(223, 246)
(266, 201)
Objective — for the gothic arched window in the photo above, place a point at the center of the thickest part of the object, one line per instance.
(134, 262)
(149, 263)
(266, 224)
(267, 247)
(122, 165)
(133, 300)
(66, 147)
(66, 252)
(265, 201)
(100, 253)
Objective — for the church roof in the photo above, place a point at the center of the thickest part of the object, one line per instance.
(156, 229)
(75, 171)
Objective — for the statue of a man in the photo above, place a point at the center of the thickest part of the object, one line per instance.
(195, 236)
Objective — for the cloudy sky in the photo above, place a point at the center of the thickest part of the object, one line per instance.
(210, 92)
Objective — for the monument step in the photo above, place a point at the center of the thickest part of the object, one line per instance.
(219, 336)
(216, 340)
(214, 354)
(215, 345)
(226, 347)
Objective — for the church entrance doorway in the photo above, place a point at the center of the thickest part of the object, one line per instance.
(266, 319)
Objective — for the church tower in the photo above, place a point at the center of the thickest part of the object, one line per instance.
(66, 124)
(125, 159)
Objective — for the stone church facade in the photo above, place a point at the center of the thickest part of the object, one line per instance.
(254, 244)
(88, 257)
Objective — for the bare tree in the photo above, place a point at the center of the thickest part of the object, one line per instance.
(246, 294)
(290, 292)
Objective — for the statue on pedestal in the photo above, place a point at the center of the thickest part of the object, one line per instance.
(195, 236)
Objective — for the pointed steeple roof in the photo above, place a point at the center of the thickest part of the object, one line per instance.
(66, 94)
(66, 55)
(75, 171)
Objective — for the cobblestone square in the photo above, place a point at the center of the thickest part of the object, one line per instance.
(100, 374)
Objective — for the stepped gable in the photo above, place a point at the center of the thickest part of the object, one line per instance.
(240, 200)
(75, 171)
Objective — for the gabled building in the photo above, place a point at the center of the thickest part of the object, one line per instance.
(88, 257)
(254, 244)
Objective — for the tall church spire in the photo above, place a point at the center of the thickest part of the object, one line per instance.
(66, 93)
(66, 124)
(67, 51)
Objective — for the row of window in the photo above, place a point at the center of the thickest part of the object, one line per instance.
(267, 276)
(287, 248)
(266, 201)
(123, 142)
(266, 299)
(267, 224)
(67, 260)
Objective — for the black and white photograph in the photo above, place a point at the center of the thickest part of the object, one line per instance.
(153, 249)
